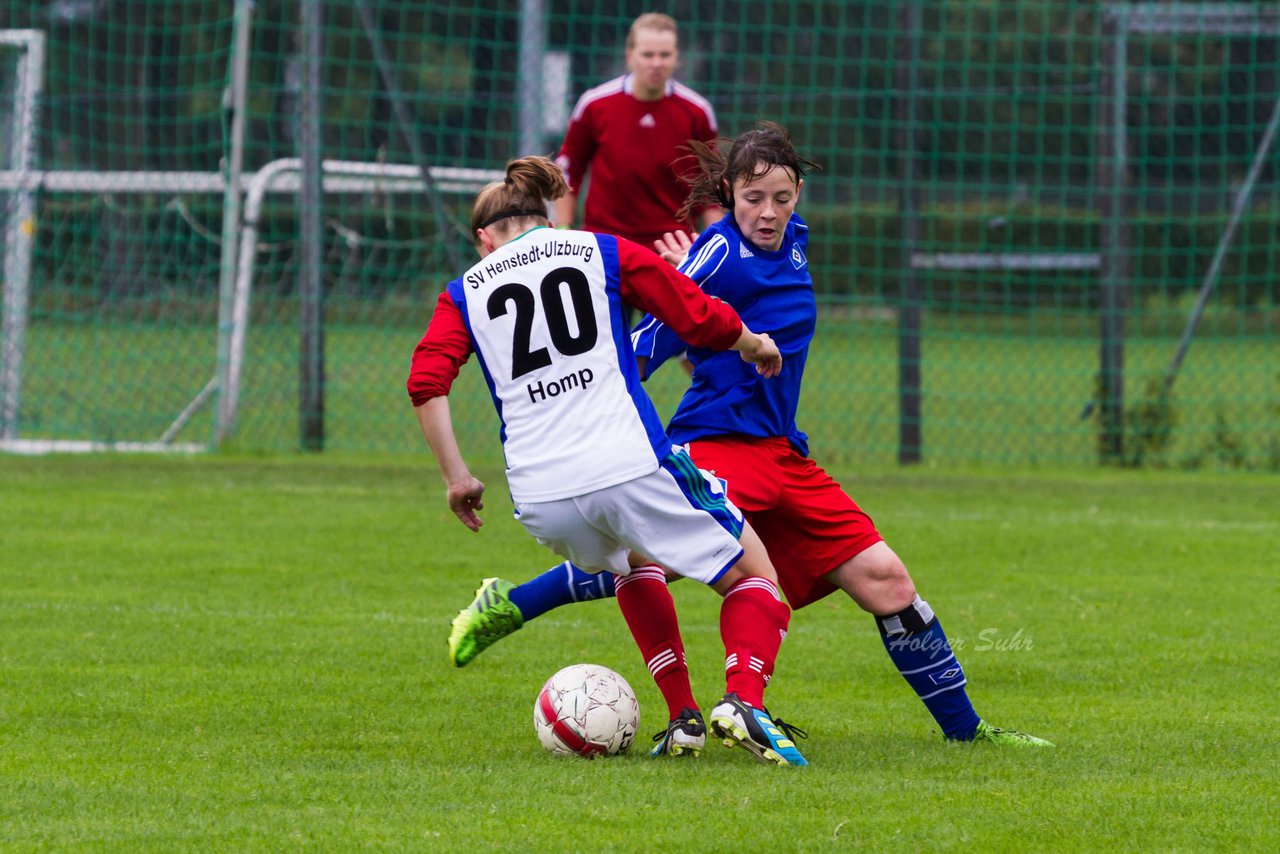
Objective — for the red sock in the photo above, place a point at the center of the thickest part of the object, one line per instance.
(753, 622)
(651, 615)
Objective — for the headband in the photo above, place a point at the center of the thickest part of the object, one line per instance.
(507, 214)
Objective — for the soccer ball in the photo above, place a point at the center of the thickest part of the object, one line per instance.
(586, 710)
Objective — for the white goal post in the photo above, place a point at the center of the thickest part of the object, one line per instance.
(19, 215)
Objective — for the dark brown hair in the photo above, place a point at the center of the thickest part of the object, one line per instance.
(530, 183)
(749, 156)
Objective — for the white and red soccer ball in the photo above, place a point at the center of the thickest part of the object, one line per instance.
(586, 710)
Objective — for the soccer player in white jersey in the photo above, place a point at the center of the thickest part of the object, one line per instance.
(590, 469)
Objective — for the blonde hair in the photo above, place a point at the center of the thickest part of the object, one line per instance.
(522, 195)
(652, 21)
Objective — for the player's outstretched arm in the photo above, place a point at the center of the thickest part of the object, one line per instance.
(675, 300)
(760, 350)
(463, 491)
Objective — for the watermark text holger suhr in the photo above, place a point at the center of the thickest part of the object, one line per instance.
(988, 640)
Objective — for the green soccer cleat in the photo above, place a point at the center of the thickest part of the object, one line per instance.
(994, 735)
(684, 736)
(489, 618)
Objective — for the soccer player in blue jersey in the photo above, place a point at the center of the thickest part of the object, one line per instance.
(591, 472)
(745, 432)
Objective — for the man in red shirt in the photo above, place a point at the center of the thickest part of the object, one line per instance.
(629, 133)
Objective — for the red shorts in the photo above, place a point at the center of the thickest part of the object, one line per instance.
(808, 523)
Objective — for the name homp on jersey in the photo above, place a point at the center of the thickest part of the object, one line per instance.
(544, 314)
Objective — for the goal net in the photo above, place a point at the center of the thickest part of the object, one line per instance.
(137, 317)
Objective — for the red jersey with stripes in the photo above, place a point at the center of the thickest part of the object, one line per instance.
(544, 315)
(631, 148)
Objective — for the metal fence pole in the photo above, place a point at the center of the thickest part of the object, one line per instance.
(533, 36)
(311, 232)
(1114, 234)
(907, 74)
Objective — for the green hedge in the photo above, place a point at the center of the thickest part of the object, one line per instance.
(855, 252)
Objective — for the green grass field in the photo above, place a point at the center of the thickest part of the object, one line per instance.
(249, 654)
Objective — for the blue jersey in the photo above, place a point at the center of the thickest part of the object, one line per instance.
(773, 293)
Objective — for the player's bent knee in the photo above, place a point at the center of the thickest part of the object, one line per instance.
(876, 579)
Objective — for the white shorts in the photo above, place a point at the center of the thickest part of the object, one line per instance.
(678, 516)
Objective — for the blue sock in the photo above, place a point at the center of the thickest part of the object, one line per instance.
(558, 586)
(919, 648)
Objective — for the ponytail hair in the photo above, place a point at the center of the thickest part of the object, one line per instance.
(718, 164)
(521, 195)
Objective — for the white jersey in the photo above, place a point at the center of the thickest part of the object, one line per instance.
(546, 320)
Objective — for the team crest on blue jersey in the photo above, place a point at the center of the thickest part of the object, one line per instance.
(797, 258)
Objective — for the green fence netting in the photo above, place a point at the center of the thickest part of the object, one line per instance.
(1044, 232)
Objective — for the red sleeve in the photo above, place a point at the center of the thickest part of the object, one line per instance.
(441, 352)
(578, 148)
(654, 286)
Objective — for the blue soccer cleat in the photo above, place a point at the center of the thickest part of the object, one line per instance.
(769, 740)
